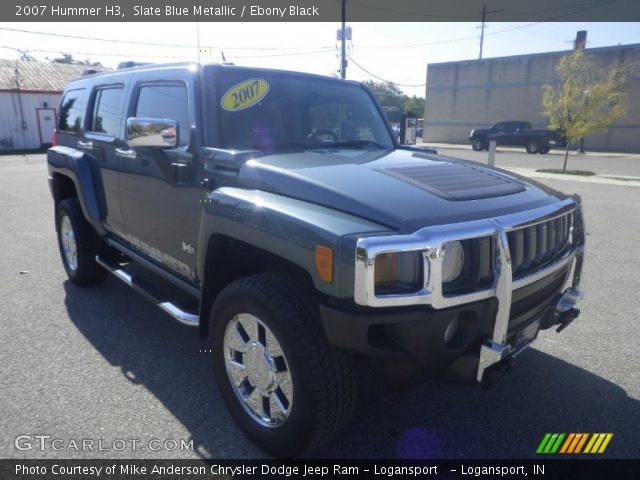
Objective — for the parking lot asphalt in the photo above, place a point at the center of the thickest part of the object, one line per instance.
(103, 363)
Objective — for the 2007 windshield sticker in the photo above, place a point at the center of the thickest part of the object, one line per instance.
(244, 94)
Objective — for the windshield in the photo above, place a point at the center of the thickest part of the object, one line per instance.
(272, 111)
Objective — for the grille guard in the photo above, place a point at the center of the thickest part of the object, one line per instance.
(430, 240)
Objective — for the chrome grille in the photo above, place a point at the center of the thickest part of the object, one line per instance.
(534, 246)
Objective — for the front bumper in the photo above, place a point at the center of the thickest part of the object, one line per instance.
(495, 328)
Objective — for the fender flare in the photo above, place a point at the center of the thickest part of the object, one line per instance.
(81, 169)
(282, 227)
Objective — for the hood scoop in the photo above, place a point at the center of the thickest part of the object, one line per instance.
(456, 181)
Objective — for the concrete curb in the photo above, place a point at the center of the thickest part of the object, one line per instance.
(603, 180)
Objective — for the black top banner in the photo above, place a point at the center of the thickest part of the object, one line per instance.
(318, 10)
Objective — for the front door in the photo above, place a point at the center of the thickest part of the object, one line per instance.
(160, 187)
(46, 124)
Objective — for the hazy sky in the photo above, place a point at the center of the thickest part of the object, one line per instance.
(397, 52)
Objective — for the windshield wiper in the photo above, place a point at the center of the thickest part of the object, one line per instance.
(358, 144)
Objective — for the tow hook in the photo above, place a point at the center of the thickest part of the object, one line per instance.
(566, 318)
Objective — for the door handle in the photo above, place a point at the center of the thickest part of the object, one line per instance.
(125, 153)
(85, 145)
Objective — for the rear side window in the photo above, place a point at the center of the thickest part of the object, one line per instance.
(166, 101)
(72, 110)
(106, 111)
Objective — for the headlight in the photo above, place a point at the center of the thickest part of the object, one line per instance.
(452, 261)
(398, 273)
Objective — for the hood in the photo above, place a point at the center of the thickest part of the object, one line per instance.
(403, 190)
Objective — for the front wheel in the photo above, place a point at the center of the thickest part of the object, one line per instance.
(478, 145)
(78, 244)
(287, 388)
(532, 147)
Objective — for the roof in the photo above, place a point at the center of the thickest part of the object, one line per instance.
(37, 76)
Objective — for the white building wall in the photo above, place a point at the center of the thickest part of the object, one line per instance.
(14, 108)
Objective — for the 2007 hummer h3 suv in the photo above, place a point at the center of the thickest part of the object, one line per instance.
(276, 212)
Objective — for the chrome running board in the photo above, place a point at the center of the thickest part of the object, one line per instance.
(141, 287)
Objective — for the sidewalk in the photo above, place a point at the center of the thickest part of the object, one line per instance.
(553, 151)
(620, 180)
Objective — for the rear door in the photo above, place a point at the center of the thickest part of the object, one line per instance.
(80, 113)
(161, 187)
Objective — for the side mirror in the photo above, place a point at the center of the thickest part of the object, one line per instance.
(152, 132)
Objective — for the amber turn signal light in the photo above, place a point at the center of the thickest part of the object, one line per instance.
(324, 263)
(386, 270)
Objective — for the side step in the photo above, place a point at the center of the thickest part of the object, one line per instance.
(147, 291)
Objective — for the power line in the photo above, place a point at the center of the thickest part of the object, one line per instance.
(384, 79)
(183, 57)
(473, 37)
(452, 40)
(135, 42)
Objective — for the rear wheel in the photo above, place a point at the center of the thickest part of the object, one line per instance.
(532, 147)
(287, 388)
(78, 244)
(478, 145)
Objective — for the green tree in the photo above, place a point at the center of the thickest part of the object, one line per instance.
(68, 59)
(390, 97)
(587, 99)
(415, 106)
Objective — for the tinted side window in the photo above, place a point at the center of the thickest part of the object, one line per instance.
(72, 110)
(500, 127)
(166, 101)
(106, 111)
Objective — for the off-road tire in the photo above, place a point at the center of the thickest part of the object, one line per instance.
(88, 245)
(324, 387)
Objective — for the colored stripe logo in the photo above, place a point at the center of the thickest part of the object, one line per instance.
(574, 443)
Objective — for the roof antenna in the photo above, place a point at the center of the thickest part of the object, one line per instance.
(224, 59)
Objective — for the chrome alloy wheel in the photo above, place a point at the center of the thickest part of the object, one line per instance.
(69, 246)
(257, 370)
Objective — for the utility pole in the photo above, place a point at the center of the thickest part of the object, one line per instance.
(580, 43)
(343, 58)
(484, 18)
